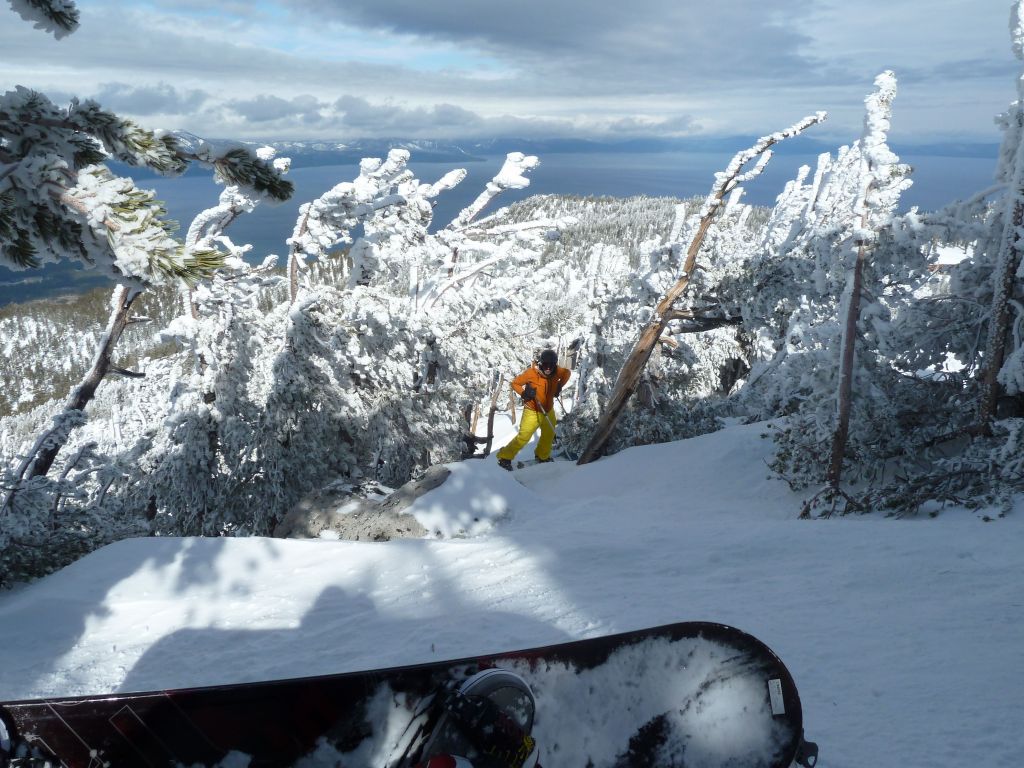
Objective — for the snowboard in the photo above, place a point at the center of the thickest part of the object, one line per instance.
(556, 455)
(528, 463)
(693, 695)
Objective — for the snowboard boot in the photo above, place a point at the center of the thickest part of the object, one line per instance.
(486, 720)
(505, 464)
(543, 461)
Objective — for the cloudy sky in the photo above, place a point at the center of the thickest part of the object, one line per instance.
(603, 69)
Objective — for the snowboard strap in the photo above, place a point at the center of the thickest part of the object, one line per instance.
(491, 730)
(424, 718)
(806, 754)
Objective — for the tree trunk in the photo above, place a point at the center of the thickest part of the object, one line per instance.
(82, 394)
(293, 278)
(490, 415)
(844, 399)
(629, 376)
(999, 322)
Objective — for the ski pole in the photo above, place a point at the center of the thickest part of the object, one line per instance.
(544, 414)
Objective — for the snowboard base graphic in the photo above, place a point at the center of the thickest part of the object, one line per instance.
(693, 695)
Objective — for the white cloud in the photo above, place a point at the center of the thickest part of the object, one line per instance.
(358, 113)
(314, 68)
(159, 99)
(265, 107)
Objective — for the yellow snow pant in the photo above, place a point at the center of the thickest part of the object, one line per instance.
(527, 426)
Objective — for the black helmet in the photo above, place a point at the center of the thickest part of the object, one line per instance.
(548, 361)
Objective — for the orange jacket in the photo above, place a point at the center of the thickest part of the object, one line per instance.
(547, 386)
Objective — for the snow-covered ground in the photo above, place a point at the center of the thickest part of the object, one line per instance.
(905, 637)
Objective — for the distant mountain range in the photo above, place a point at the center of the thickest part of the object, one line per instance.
(323, 152)
(319, 152)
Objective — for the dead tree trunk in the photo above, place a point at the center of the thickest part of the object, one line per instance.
(490, 415)
(629, 376)
(82, 394)
(845, 396)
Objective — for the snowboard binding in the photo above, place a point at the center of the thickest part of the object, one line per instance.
(15, 754)
(485, 720)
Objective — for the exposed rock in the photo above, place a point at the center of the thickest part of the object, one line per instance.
(408, 493)
(364, 512)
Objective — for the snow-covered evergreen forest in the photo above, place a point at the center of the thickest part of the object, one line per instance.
(212, 388)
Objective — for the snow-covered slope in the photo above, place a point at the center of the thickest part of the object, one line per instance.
(904, 636)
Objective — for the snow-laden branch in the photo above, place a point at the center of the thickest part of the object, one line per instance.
(132, 224)
(511, 176)
(459, 239)
(208, 227)
(58, 202)
(515, 242)
(58, 17)
(733, 174)
(449, 181)
(327, 221)
(1017, 31)
(502, 252)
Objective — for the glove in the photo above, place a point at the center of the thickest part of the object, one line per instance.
(558, 390)
(529, 393)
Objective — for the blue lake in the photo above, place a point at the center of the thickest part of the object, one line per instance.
(937, 180)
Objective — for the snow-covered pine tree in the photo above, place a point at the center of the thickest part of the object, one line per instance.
(964, 334)
(883, 180)
(363, 379)
(59, 201)
(1004, 349)
(213, 416)
(831, 272)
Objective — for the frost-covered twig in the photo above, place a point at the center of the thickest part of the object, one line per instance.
(505, 238)
(495, 241)
(500, 255)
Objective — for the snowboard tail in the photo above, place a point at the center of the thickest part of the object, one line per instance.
(688, 695)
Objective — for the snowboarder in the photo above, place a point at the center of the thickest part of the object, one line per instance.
(538, 386)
